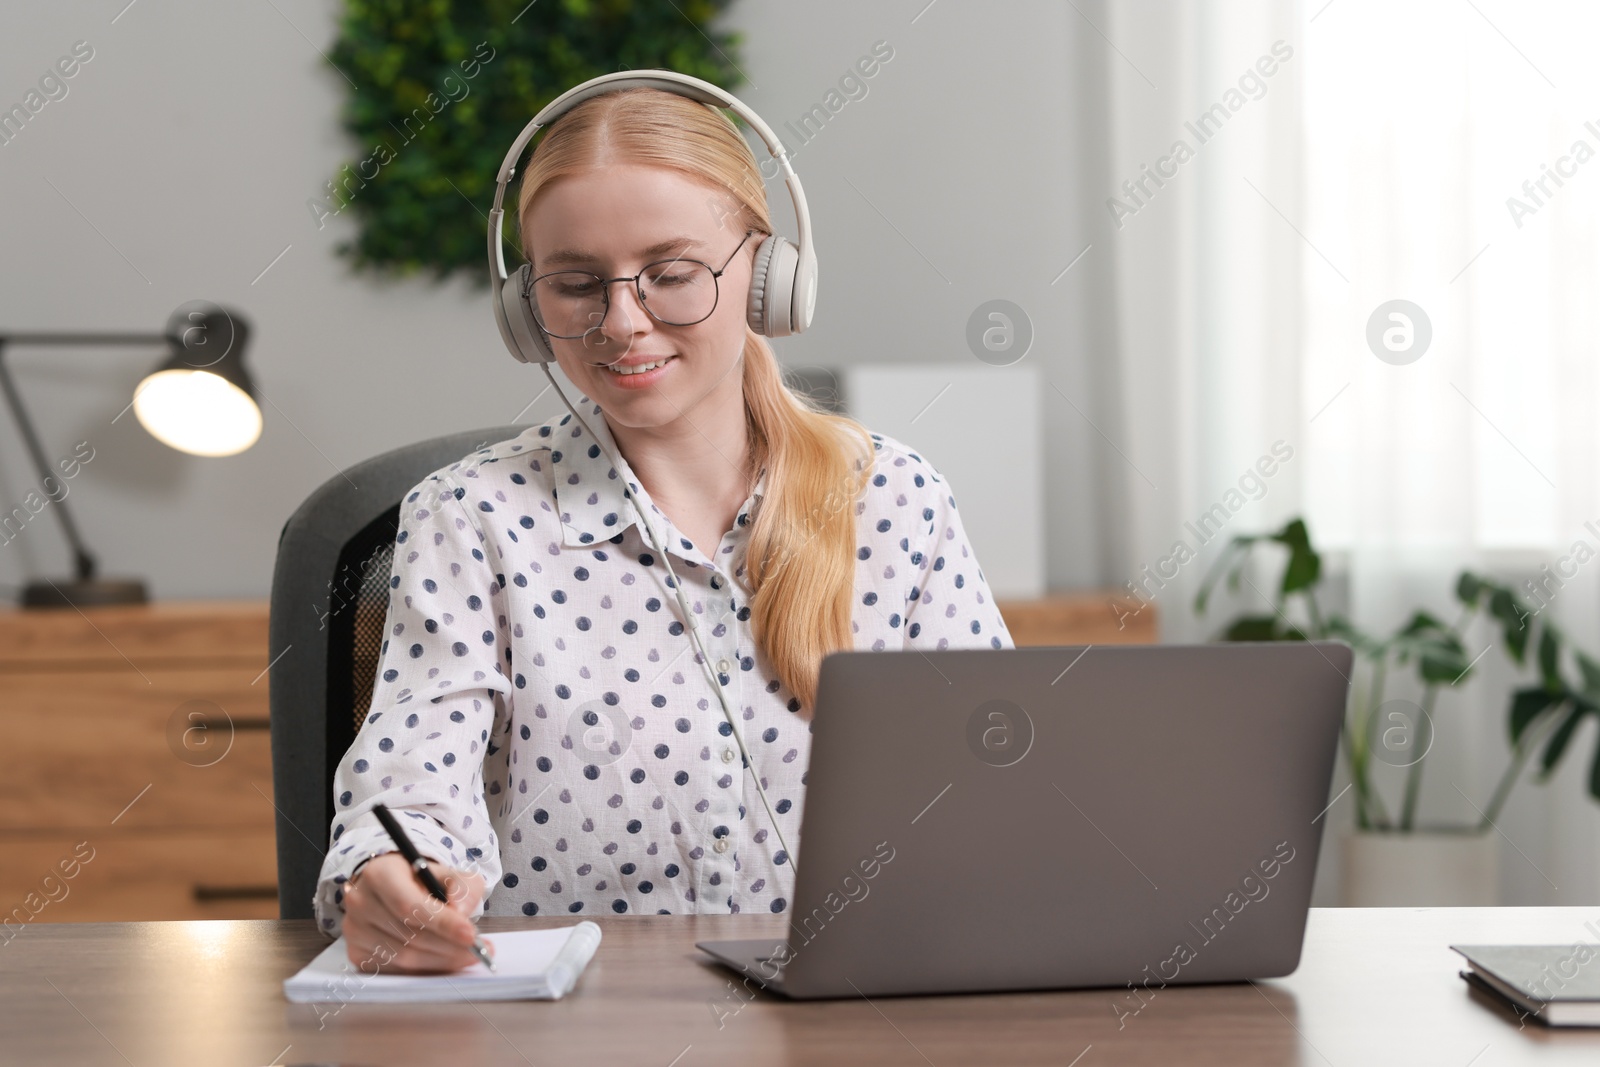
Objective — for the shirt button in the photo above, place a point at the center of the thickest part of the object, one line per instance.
(721, 845)
(723, 665)
(727, 755)
(716, 583)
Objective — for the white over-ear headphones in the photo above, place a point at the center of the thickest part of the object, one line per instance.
(783, 291)
(783, 283)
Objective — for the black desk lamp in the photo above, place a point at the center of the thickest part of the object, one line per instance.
(199, 400)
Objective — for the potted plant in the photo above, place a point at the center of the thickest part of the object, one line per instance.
(1390, 858)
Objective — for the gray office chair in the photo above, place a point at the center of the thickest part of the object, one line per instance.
(330, 593)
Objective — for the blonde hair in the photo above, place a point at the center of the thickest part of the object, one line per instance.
(802, 548)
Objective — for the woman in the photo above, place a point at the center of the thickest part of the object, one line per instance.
(540, 722)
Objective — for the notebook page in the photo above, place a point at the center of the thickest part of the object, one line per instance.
(528, 964)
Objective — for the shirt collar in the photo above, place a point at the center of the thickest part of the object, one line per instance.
(591, 494)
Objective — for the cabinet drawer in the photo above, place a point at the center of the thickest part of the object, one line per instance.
(133, 876)
(95, 740)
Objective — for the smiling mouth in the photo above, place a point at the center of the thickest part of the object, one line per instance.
(638, 368)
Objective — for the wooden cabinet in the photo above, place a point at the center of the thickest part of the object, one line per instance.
(140, 761)
(1081, 618)
(139, 783)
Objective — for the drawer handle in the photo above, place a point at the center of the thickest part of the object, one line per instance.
(235, 892)
(258, 722)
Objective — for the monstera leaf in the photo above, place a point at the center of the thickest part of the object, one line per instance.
(1543, 717)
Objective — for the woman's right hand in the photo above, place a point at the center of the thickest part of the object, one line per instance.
(392, 924)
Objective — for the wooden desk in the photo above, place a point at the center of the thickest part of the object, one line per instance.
(1374, 986)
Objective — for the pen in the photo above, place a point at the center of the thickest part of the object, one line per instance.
(420, 866)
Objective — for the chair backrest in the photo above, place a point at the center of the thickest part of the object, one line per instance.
(330, 594)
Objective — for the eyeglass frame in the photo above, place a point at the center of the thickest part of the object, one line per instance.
(605, 289)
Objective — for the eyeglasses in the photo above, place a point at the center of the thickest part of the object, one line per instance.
(675, 292)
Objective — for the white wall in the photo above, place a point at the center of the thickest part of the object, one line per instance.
(179, 164)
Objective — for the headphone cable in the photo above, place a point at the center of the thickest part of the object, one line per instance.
(691, 623)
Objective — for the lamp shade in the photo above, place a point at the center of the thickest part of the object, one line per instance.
(202, 400)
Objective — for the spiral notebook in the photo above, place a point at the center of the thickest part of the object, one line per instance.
(529, 965)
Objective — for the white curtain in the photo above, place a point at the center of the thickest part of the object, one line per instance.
(1373, 164)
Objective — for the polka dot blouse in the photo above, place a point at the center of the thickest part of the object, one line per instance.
(540, 715)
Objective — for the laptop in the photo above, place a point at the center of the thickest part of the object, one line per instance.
(1057, 817)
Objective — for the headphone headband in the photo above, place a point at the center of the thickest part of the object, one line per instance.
(784, 284)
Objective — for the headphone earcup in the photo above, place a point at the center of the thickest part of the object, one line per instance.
(772, 277)
(518, 328)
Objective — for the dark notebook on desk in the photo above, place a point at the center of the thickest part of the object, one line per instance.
(1558, 984)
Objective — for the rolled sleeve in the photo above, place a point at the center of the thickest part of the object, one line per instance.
(440, 695)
